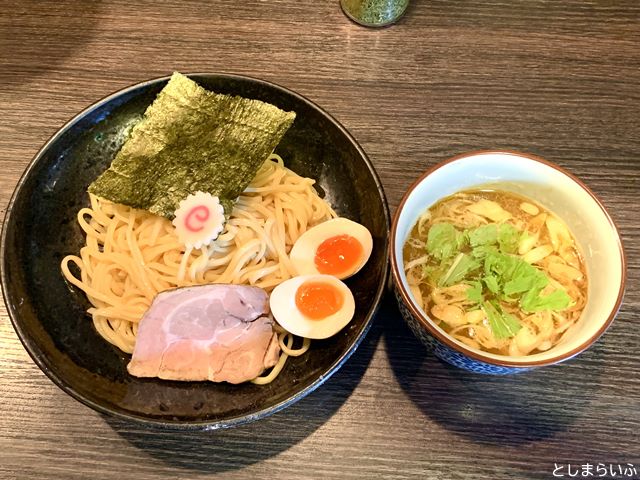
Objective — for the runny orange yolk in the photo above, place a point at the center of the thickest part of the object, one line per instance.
(337, 255)
(317, 300)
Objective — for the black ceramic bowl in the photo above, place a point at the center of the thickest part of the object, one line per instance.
(49, 315)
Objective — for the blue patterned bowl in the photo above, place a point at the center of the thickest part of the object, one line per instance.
(552, 187)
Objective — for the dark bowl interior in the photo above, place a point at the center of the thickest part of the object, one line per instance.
(49, 315)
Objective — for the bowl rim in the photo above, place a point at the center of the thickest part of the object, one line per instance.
(212, 424)
(439, 334)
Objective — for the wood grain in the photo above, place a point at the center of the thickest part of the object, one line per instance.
(557, 79)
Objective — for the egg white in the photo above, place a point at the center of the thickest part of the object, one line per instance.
(283, 308)
(304, 250)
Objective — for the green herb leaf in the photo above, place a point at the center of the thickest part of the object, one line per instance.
(491, 281)
(556, 300)
(525, 277)
(508, 238)
(444, 241)
(492, 273)
(460, 268)
(192, 140)
(510, 279)
(474, 292)
(503, 325)
(500, 265)
(484, 235)
(483, 250)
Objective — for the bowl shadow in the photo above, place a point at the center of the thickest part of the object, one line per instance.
(220, 450)
(489, 409)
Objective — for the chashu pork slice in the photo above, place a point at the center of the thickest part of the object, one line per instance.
(214, 332)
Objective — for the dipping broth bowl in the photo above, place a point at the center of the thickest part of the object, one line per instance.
(555, 189)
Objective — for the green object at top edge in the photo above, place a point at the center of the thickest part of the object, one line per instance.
(374, 13)
(190, 140)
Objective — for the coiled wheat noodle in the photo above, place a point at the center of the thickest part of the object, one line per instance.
(131, 255)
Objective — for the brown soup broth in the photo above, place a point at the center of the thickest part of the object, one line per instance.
(525, 215)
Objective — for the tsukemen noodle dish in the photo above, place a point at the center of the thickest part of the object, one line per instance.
(496, 271)
(206, 258)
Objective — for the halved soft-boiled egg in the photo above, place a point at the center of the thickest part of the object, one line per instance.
(338, 247)
(312, 306)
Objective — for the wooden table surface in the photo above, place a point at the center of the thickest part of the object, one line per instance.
(560, 79)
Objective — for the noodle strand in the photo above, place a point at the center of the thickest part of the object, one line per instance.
(131, 255)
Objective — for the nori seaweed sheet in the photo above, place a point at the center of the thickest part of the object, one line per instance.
(189, 140)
